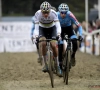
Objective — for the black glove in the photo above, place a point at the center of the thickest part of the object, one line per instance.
(80, 38)
(37, 39)
(58, 37)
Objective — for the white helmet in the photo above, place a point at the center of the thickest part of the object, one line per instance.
(45, 7)
(53, 8)
(63, 7)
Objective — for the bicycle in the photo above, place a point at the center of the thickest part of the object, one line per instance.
(50, 63)
(66, 62)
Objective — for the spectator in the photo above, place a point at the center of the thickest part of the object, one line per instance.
(98, 26)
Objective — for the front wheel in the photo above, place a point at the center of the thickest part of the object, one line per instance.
(50, 67)
(65, 66)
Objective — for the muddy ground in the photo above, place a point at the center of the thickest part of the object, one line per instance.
(20, 71)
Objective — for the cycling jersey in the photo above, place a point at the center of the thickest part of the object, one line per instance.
(50, 21)
(67, 21)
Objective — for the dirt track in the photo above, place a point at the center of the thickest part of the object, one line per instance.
(20, 71)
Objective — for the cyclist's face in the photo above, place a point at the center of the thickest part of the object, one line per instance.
(45, 14)
(63, 14)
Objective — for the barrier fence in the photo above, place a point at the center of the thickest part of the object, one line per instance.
(91, 43)
(15, 37)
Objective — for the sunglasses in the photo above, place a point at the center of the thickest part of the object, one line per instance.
(45, 12)
(63, 12)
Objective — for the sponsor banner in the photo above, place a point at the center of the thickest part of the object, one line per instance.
(15, 37)
(15, 29)
(19, 45)
(1, 45)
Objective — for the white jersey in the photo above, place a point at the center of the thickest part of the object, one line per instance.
(48, 22)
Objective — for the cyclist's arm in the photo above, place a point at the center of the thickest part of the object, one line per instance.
(32, 30)
(36, 30)
(58, 27)
(57, 23)
(75, 21)
(36, 24)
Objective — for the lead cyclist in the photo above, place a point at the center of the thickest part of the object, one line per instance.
(47, 23)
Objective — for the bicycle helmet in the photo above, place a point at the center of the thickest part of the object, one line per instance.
(45, 7)
(63, 7)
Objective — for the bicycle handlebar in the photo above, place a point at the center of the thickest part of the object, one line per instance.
(66, 38)
(47, 40)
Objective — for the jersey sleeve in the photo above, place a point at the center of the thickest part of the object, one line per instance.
(75, 21)
(57, 23)
(32, 30)
(36, 17)
(32, 27)
(36, 24)
(55, 16)
(33, 19)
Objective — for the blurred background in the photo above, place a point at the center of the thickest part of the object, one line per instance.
(19, 69)
(86, 11)
(29, 7)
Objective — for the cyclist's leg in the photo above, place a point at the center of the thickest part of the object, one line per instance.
(43, 50)
(37, 46)
(55, 53)
(74, 43)
(67, 31)
(42, 47)
(55, 50)
(60, 50)
(44, 35)
(75, 47)
(62, 46)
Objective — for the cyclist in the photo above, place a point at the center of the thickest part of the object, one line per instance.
(47, 25)
(66, 19)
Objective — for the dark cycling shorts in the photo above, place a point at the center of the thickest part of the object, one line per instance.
(67, 31)
(48, 33)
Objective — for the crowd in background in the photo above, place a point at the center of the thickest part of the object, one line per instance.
(92, 26)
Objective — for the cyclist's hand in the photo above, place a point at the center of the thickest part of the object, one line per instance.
(34, 39)
(37, 39)
(80, 38)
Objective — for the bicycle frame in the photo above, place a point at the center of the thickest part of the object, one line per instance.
(69, 43)
(67, 58)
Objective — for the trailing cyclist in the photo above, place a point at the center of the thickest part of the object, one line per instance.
(66, 19)
(32, 38)
(47, 26)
